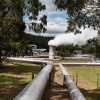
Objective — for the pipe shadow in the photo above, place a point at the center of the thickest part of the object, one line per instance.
(91, 94)
(55, 91)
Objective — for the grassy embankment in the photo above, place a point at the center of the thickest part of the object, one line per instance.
(87, 81)
(14, 76)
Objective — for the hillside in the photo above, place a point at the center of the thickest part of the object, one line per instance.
(40, 41)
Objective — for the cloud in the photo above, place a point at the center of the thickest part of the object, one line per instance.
(50, 8)
(54, 26)
(56, 23)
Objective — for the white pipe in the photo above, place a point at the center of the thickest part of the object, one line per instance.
(34, 90)
(86, 64)
(72, 88)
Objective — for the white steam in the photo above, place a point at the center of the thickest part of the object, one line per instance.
(71, 38)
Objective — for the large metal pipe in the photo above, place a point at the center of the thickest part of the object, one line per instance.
(34, 90)
(51, 52)
(84, 64)
(72, 88)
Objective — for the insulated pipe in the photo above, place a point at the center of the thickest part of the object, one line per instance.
(51, 51)
(72, 88)
(30, 60)
(34, 90)
(85, 64)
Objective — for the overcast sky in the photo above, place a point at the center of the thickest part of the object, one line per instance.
(56, 20)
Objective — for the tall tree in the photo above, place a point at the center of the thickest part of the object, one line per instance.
(81, 13)
(11, 20)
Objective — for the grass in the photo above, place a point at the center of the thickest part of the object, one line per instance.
(14, 76)
(74, 60)
(88, 74)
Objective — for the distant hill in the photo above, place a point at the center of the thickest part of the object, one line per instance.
(40, 41)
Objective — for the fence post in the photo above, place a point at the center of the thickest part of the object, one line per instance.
(50, 79)
(73, 78)
(64, 80)
(76, 79)
(32, 75)
(97, 80)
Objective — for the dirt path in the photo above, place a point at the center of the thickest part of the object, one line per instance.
(55, 91)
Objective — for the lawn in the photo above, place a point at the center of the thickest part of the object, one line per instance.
(14, 76)
(87, 81)
(75, 60)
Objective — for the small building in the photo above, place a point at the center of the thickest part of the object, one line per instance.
(78, 52)
(36, 51)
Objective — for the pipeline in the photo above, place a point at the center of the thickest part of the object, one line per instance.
(35, 89)
(72, 88)
(84, 64)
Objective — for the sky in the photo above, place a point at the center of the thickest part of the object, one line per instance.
(56, 20)
(56, 26)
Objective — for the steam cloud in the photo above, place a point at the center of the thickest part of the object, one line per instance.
(71, 38)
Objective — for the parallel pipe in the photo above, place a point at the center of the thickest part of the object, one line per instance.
(34, 90)
(72, 88)
(84, 64)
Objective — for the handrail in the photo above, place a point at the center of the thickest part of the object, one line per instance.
(72, 88)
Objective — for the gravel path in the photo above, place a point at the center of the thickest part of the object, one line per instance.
(55, 91)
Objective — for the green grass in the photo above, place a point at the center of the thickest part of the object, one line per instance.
(74, 60)
(17, 73)
(14, 76)
(88, 74)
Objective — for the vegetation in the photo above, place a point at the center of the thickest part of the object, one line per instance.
(81, 13)
(22, 48)
(65, 51)
(68, 50)
(87, 81)
(95, 43)
(88, 73)
(40, 41)
(12, 25)
(14, 76)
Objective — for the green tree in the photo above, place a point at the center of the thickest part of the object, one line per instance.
(95, 42)
(88, 49)
(12, 25)
(81, 13)
(65, 51)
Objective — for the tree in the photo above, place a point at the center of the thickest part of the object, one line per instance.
(81, 13)
(65, 51)
(12, 25)
(88, 49)
(95, 42)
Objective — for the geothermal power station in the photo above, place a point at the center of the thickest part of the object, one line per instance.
(35, 89)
